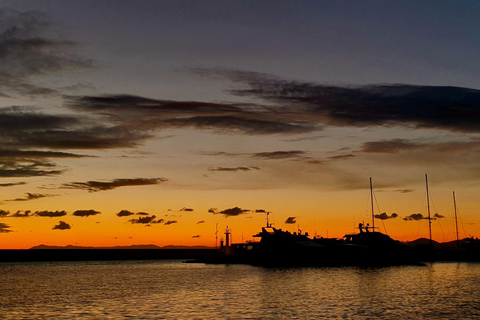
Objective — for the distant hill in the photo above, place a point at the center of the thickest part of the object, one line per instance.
(138, 246)
(436, 245)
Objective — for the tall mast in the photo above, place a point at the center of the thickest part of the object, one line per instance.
(371, 198)
(456, 221)
(428, 208)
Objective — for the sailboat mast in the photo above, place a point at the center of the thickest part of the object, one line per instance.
(428, 208)
(371, 198)
(456, 221)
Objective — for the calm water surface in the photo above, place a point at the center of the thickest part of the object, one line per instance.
(175, 290)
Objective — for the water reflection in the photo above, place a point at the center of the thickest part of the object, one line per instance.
(174, 290)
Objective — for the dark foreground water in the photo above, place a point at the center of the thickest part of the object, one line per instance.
(175, 290)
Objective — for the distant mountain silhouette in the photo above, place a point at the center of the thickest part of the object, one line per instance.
(137, 246)
(436, 245)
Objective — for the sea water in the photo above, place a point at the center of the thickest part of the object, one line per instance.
(177, 290)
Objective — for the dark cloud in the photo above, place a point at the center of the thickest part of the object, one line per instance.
(141, 213)
(186, 209)
(4, 213)
(196, 236)
(25, 128)
(28, 49)
(50, 214)
(415, 217)
(436, 107)
(86, 213)
(62, 225)
(229, 124)
(261, 211)
(32, 196)
(4, 228)
(12, 168)
(229, 212)
(390, 146)
(279, 155)
(419, 216)
(341, 157)
(201, 221)
(125, 213)
(291, 220)
(144, 113)
(30, 154)
(143, 220)
(98, 137)
(16, 120)
(95, 186)
(235, 169)
(21, 214)
(170, 222)
(385, 216)
(11, 184)
(405, 190)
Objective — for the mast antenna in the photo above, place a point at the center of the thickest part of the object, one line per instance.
(428, 208)
(456, 221)
(371, 198)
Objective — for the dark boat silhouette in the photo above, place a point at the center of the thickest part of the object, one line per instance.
(280, 248)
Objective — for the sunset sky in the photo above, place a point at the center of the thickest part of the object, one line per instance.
(150, 122)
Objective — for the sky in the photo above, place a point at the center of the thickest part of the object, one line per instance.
(163, 122)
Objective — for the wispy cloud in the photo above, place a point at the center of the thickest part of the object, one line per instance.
(95, 186)
(390, 146)
(29, 49)
(341, 157)
(279, 155)
(405, 190)
(144, 113)
(144, 220)
(4, 228)
(433, 107)
(11, 184)
(32, 196)
(233, 169)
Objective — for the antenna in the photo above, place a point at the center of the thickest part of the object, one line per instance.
(216, 235)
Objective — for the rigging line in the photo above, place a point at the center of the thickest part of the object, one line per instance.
(461, 222)
(378, 209)
(436, 216)
(443, 234)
